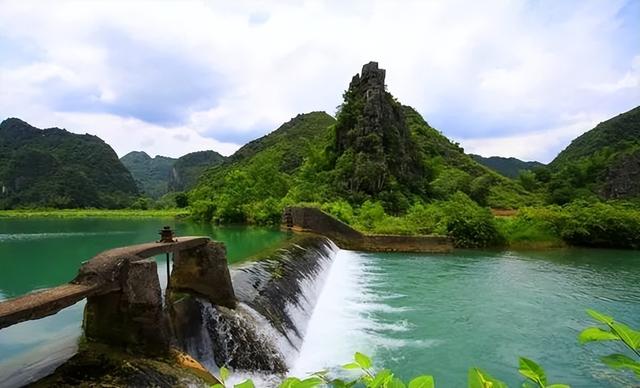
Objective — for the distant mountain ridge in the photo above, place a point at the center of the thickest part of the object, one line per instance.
(509, 167)
(160, 175)
(56, 168)
(152, 175)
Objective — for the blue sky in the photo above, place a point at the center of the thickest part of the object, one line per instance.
(510, 78)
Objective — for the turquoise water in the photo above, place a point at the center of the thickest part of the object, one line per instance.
(437, 314)
(42, 253)
(444, 314)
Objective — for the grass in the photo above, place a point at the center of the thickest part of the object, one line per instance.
(101, 213)
(528, 234)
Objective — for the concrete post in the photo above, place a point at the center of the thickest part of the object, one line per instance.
(203, 270)
(133, 316)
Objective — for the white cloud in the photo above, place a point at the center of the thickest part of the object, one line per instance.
(532, 145)
(129, 134)
(478, 71)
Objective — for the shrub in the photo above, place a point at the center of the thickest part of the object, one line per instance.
(469, 225)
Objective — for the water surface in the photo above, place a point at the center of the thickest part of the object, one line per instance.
(442, 314)
(45, 252)
(436, 314)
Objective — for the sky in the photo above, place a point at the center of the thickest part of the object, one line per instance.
(508, 78)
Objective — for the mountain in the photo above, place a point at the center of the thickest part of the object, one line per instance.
(188, 168)
(604, 161)
(509, 167)
(55, 168)
(159, 175)
(376, 149)
(152, 175)
(616, 134)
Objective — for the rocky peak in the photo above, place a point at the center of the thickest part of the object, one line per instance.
(373, 137)
(371, 82)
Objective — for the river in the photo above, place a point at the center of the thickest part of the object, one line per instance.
(436, 314)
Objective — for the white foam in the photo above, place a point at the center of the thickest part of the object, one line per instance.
(340, 323)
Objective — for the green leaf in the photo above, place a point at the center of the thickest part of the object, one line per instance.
(396, 383)
(627, 335)
(620, 361)
(217, 386)
(422, 382)
(596, 334)
(381, 378)
(289, 382)
(337, 383)
(607, 320)
(558, 386)
(245, 384)
(310, 382)
(531, 370)
(363, 360)
(224, 373)
(480, 379)
(351, 365)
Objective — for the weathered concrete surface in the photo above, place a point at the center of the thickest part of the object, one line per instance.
(131, 317)
(203, 270)
(396, 243)
(104, 268)
(100, 275)
(43, 303)
(316, 221)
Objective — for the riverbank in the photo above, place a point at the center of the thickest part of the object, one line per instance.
(98, 213)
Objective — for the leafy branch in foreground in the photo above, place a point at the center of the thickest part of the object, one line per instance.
(615, 331)
(385, 378)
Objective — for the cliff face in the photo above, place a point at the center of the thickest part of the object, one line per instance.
(372, 140)
(55, 168)
(623, 178)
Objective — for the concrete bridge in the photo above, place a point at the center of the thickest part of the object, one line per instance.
(124, 300)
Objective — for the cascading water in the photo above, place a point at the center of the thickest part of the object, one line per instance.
(307, 308)
(266, 331)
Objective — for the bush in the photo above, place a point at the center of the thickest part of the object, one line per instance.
(469, 225)
(341, 209)
(601, 225)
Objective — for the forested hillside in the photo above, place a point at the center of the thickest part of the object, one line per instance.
(376, 151)
(188, 168)
(602, 163)
(509, 167)
(160, 175)
(55, 168)
(152, 175)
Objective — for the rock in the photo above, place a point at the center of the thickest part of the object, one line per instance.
(373, 141)
(623, 178)
(99, 365)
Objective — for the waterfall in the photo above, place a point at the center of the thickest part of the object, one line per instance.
(302, 310)
(265, 332)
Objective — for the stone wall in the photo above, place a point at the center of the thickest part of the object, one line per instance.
(397, 243)
(314, 220)
(307, 219)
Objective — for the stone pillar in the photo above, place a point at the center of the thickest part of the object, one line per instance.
(132, 317)
(204, 271)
